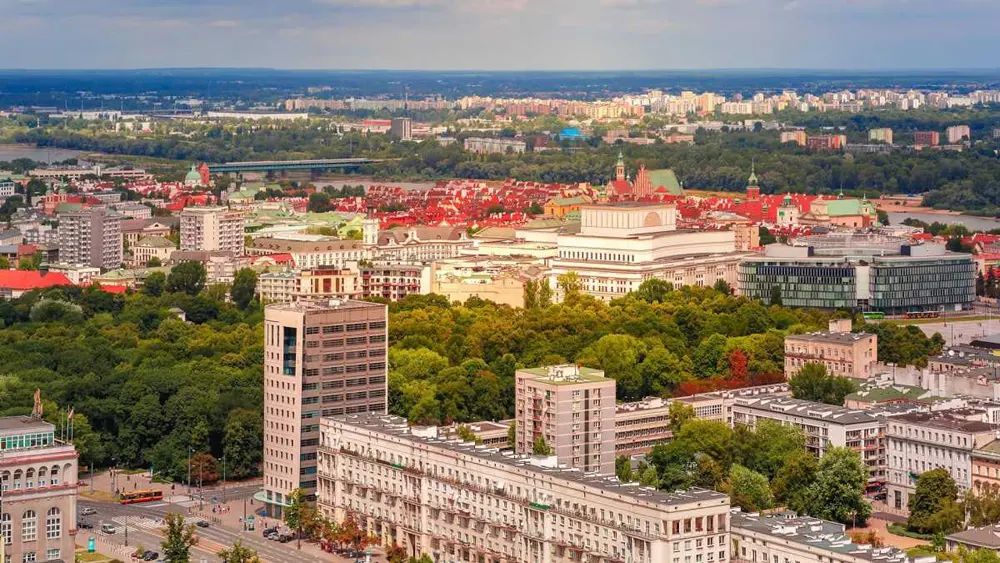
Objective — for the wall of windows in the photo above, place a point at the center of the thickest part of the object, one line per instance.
(829, 285)
(25, 441)
(923, 285)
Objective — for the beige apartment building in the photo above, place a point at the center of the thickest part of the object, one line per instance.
(148, 248)
(456, 501)
(91, 237)
(321, 358)
(573, 409)
(825, 426)
(38, 479)
(843, 352)
(311, 283)
(212, 228)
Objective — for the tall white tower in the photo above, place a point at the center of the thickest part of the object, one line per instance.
(369, 227)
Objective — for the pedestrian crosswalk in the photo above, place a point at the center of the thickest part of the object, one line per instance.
(146, 523)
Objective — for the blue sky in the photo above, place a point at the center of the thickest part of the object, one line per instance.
(500, 34)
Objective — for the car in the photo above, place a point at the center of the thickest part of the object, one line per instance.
(285, 538)
(202, 523)
(88, 511)
(109, 529)
(84, 525)
(151, 556)
(268, 531)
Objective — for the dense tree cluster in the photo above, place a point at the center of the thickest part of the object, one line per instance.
(759, 468)
(456, 363)
(146, 387)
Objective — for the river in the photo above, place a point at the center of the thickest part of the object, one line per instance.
(9, 152)
(971, 222)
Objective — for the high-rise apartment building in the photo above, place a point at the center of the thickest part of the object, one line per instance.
(458, 501)
(957, 134)
(573, 409)
(926, 139)
(38, 479)
(883, 135)
(402, 128)
(212, 228)
(321, 358)
(91, 237)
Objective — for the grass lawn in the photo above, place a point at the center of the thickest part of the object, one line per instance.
(937, 320)
(91, 557)
(900, 530)
(102, 496)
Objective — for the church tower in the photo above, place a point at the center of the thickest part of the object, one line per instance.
(753, 189)
(620, 167)
(369, 231)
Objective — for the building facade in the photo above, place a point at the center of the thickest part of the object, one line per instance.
(825, 426)
(147, 248)
(458, 502)
(212, 228)
(919, 442)
(91, 237)
(321, 358)
(861, 272)
(573, 409)
(38, 477)
(844, 353)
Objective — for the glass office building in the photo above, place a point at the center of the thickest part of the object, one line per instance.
(861, 272)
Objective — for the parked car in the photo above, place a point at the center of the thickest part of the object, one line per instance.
(151, 556)
(84, 525)
(272, 535)
(202, 523)
(285, 538)
(269, 531)
(87, 511)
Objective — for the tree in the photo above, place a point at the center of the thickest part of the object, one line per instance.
(738, 366)
(569, 283)
(4, 263)
(154, 284)
(243, 443)
(319, 202)
(512, 436)
(544, 293)
(649, 478)
(465, 433)
(653, 290)
(838, 493)
(768, 446)
(813, 383)
(154, 262)
(679, 413)
(935, 493)
(179, 540)
(238, 554)
(530, 294)
(623, 468)
(982, 506)
(792, 483)
(722, 287)
(244, 287)
(187, 277)
(539, 447)
(776, 295)
(299, 515)
(748, 489)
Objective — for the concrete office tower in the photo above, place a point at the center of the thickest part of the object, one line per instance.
(573, 409)
(212, 228)
(91, 237)
(38, 476)
(321, 358)
(402, 128)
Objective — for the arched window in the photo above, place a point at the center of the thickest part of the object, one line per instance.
(5, 528)
(29, 526)
(18, 475)
(29, 478)
(53, 523)
(54, 473)
(43, 474)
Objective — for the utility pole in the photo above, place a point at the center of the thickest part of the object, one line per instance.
(190, 451)
(223, 479)
(244, 514)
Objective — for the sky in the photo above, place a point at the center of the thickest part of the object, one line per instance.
(500, 34)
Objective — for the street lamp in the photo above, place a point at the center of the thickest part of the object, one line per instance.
(190, 451)
(223, 479)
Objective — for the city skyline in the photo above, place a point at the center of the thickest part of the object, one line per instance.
(535, 35)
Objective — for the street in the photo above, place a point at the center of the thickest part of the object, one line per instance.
(145, 528)
(961, 332)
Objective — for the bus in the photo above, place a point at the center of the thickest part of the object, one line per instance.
(141, 496)
(873, 315)
(923, 314)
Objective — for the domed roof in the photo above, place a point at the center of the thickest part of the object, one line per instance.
(192, 177)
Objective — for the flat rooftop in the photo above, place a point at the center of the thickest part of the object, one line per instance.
(398, 427)
(569, 375)
(320, 305)
(24, 424)
(813, 533)
(944, 421)
(831, 337)
(807, 409)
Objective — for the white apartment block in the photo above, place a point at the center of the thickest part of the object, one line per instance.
(825, 426)
(785, 537)
(456, 501)
(483, 145)
(212, 228)
(7, 188)
(919, 442)
(91, 237)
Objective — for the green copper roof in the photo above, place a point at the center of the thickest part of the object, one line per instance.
(667, 179)
(846, 207)
(570, 200)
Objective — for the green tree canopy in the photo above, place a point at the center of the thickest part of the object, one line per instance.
(813, 383)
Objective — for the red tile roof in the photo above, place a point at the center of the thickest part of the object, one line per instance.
(31, 279)
(116, 289)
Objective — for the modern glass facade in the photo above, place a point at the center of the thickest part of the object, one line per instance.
(894, 284)
(830, 285)
(921, 285)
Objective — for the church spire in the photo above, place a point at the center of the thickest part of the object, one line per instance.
(620, 167)
(753, 173)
